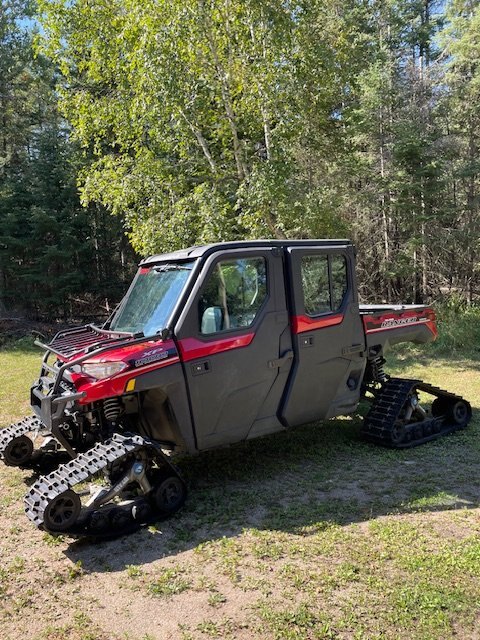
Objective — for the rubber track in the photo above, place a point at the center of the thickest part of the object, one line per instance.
(387, 406)
(25, 425)
(84, 466)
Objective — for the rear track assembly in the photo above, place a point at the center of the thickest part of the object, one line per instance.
(396, 419)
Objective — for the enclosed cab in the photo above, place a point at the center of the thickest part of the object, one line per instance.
(210, 346)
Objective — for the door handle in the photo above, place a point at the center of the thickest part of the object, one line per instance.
(349, 351)
(200, 367)
(279, 362)
(305, 341)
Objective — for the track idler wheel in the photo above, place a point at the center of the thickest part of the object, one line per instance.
(18, 452)
(460, 412)
(169, 494)
(62, 512)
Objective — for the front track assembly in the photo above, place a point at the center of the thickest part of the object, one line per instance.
(143, 486)
(16, 448)
(396, 418)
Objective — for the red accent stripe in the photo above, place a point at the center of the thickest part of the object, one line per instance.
(191, 348)
(300, 324)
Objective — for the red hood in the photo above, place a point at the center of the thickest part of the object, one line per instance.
(156, 350)
(140, 357)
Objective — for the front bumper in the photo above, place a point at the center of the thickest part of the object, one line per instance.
(49, 407)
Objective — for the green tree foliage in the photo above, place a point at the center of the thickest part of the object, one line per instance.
(461, 116)
(206, 120)
(48, 255)
(399, 200)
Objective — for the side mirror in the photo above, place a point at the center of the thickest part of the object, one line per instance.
(166, 334)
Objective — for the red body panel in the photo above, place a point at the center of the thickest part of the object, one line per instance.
(300, 324)
(155, 354)
(146, 357)
(400, 319)
(115, 386)
(191, 348)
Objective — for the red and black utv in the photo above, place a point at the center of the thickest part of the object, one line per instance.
(212, 345)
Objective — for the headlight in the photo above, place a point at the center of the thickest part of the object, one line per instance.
(101, 370)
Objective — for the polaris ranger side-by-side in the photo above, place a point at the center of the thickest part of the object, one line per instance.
(212, 345)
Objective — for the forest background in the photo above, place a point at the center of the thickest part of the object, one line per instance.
(130, 127)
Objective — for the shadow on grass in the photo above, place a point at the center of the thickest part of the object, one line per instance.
(300, 482)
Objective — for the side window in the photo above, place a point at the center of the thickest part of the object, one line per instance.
(233, 294)
(324, 282)
(316, 291)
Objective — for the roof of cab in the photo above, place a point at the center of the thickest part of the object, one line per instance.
(192, 253)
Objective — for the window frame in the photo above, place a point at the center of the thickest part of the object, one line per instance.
(232, 257)
(329, 255)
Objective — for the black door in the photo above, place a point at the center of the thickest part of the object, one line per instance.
(328, 337)
(235, 344)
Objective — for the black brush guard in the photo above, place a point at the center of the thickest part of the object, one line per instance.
(54, 391)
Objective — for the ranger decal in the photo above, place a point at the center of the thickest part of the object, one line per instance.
(400, 322)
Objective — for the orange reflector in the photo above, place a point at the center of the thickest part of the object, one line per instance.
(130, 385)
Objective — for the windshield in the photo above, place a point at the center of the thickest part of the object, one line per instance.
(152, 298)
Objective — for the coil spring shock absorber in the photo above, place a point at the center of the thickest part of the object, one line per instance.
(112, 409)
(378, 372)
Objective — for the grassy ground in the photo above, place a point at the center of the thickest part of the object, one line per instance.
(303, 535)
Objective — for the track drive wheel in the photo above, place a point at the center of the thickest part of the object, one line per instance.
(18, 452)
(62, 512)
(169, 493)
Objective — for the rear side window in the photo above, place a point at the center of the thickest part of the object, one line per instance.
(324, 282)
(316, 290)
(233, 294)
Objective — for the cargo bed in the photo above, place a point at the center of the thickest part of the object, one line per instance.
(386, 325)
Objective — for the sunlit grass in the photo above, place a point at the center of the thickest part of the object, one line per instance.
(19, 366)
(310, 533)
